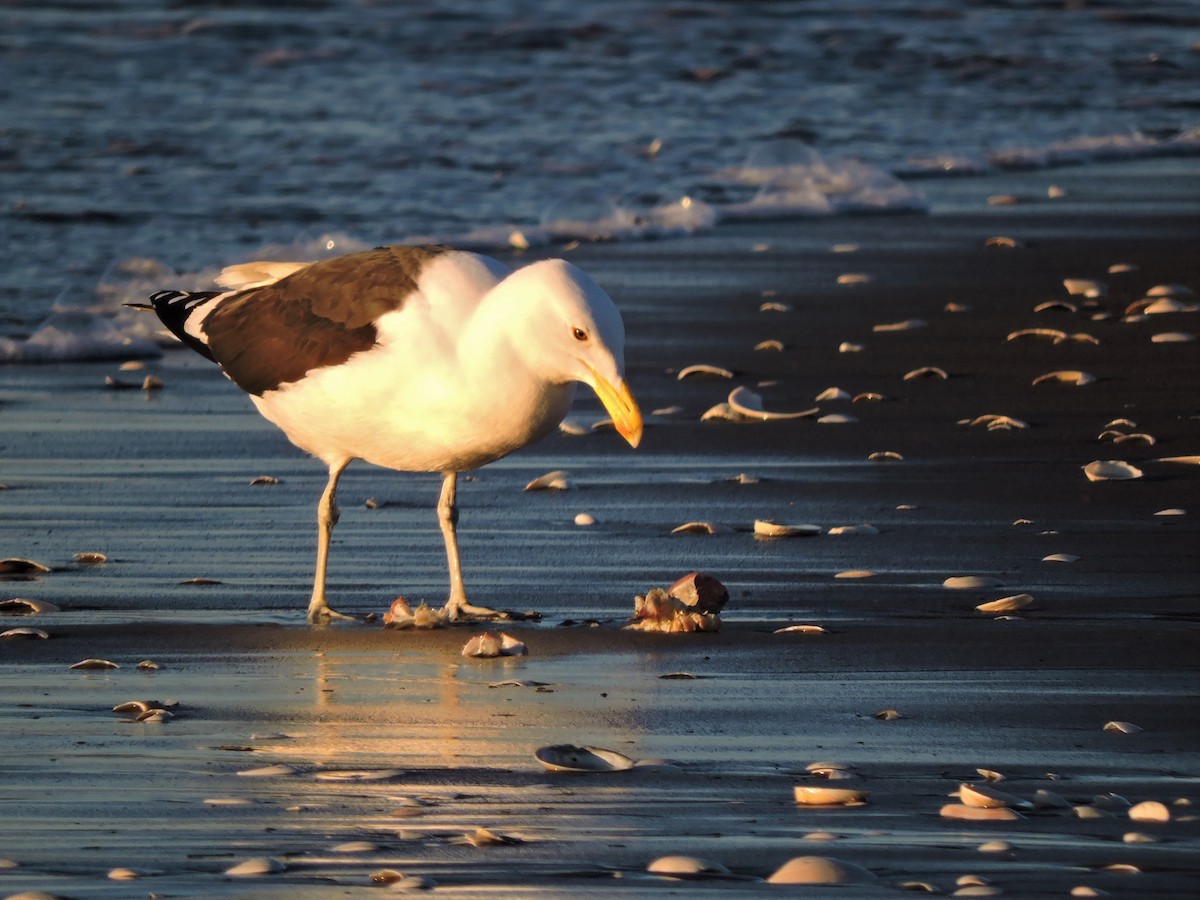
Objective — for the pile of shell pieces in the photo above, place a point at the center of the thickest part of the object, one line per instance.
(693, 603)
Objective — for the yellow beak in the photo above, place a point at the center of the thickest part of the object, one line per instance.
(619, 402)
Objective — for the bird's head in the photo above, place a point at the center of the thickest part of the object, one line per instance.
(580, 337)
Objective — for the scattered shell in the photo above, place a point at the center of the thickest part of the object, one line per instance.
(1164, 305)
(264, 479)
(767, 528)
(885, 456)
(819, 870)
(1140, 437)
(354, 847)
(980, 814)
(854, 278)
(16, 565)
(1122, 727)
(700, 591)
(1172, 511)
(699, 528)
(906, 325)
(849, 347)
(148, 665)
(1091, 812)
(990, 775)
(837, 419)
(667, 411)
(995, 847)
(258, 865)
(90, 558)
(1079, 337)
(1150, 811)
(994, 422)
(1123, 869)
(800, 629)
(1085, 890)
(1044, 799)
(26, 606)
(703, 371)
(1057, 305)
(832, 393)
(771, 344)
(136, 706)
(485, 837)
(970, 582)
(1003, 241)
(1085, 287)
(1061, 557)
(569, 758)
(1185, 460)
(953, 307)
(34, 634)
(1121, 423)
(926, 372)
(1172, 337)
(744, 401)
(403, 883)
(357, 775)
(826, 796)
(1054, 334)
(156, 716)
(276, 771)
(1119, 268)
(1111, 470)
(855, 573)
(887, 715)
(551, 481)
(819, 836)
(722, 412)
(584, 519)
(401, 615)
(844, 248)
(743, 478)
(868, 397)
(490, 645)
(95, 664)
(775, 307)
(685, 867)
(572, 427)
(853, 529)
(1169, 290)
(1006, 604)
(1066, 376)
(123, 874)
(1138, 837)
(983, 797)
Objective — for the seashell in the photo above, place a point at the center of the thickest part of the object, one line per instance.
(123, 874)
(819, 870)
(152, 383)
(354, 847)
(26, 606)
(1006, 604)
(402, 883)
(983, 797)
(155, 716)
(1121, 423)
(258, 865)
(1172, 511)
(573, 427)
(1022, 521)
(1061, 557)
(844, 248)
(800, 629)
(768, 528)
(685, 867)
(887, 715)
(491, 645)
(1078, 337)
(953, 307)
(1172, 337)
(485, 837)
(603, 425)
(667, 411)
(1123, 869)
(744, 401)
(1111, 470)
(995, 847)
(1091, 812)
(357, 775)
(201, 581)
(849, 347)
(1185, 460)
(970, 582)
(906, 325)
(826, 796)
(700, 591)
(569, 758)
(1054, 334)
(1138, 837)
(926, 372)
(833, 393)
(27, 634)
(1122, 727)
(1003, 242)
(823, 764)
(854, 278)
(95, 664)
(853, 529)
(703, 371)
(1085, 890)
(148, 665)
(136, 706)
(769, 345)
(1085, 287)
(551, 481)
(1056, 305)
(819, 836)
(1003, 200)
(978, 814)
(855, 573)
(133, 365)
(278, 770)
(743, 478)
(90, 558)
(699, 528)
(868, 396)
(16, 565)
(584, 519)
(990, 775)
(264, 479)
(1169, 290)
(1141, 437)
(1067, 376)
(772, 306)
(722, 412)
(885, 456)
(1164, 305)
(1150, 811)
(984, 890)
(836, 419)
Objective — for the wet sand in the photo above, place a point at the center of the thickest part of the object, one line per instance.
(161, 485)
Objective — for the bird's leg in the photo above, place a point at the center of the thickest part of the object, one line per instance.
(327, 516)
(457, 606)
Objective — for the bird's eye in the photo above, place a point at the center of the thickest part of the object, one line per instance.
(580, 334)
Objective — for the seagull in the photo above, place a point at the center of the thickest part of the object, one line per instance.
(416, 358)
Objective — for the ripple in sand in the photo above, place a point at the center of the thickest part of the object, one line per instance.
(569, 758)
(766, 528)
(819, 870)
(685, 867)
(826, 796)
(551, 481)
(1111, 470)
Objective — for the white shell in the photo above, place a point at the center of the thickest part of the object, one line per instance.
(1006, 604)
(978, 814)
(551, 481)
(569, 758)
(25, 605)
(1150, 811)
(95, 664)
(800, 629)
(970, 582)
(258, 865)
(827, 796)
(1111, 470)
(35, 634)
(832, 393)
(767, 528)
(685, 866)
(819, 870)
(490, 645)
(744, 401)
(704, 371)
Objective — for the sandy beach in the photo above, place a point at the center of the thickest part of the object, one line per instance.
(398, 748)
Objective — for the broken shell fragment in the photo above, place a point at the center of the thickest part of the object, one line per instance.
(699, 528)
(569, 758)
(769, 529)
(1006, 604)
(978, 814)
(703, 371)
(1184, 460)
(772, 344)
(773, 306)
(1057, 305)
(1150, 811)
(926, 372)
(27, 634)
(685, 867)
(1111, 470)
(16, 565)
(849, 347)
(1066, 376)
(148, 665)
(853, 529)
(1169, 290)
(867, 397)
(123, 874)
(826, 796)
(819, 870)
(258, 865)
(584, 520)
(264, 480)
(1003, 242)
(744, 401)
(1122, 727)
(95, 664)
(491, 645)
(700, 591)
(25, 606)
(887, 715)
(155, 716)
(551, 481)
(995, 847)
(855, 573)
(854, 278)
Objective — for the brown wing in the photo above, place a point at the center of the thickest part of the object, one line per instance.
(319, 316)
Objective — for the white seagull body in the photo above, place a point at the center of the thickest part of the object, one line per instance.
(422, 359)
